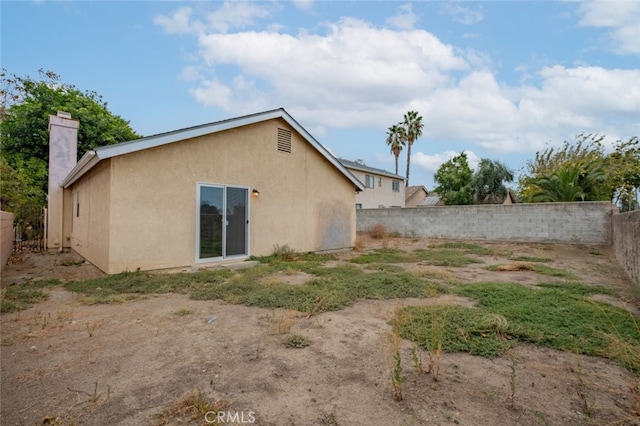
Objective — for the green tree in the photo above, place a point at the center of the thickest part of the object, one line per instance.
(25, 106)
(583, 171)
(454, 181)
(412, 131)
(488, 182)
(396, 141)
(623, 172)
(570, 183)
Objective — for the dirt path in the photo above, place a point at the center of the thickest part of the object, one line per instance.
(124, 364)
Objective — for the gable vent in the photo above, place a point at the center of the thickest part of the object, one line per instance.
(284, 141)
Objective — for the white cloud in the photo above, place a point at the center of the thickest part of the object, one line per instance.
(353, 74)
(430, 164)
(179, 22)
(621, 17)
(405, 19)
(303, 4)
(463, 14)
(229, 15)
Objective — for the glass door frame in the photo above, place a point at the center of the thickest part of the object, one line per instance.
(199, 187)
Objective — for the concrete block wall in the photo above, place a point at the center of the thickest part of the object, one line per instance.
(584, 222)
(626, 242)
(6, 238)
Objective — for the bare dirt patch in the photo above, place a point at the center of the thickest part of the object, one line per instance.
(127, 363)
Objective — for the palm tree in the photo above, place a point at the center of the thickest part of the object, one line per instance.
(396, 141)
(580, 182)
(413, 130)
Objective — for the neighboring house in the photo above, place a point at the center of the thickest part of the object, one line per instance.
(215, 192)
(433, 199)
(415, 195)
(381, 188)
(510, 198)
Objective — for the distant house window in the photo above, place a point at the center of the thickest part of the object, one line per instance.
(379, 182)
(395, 186)
(284, 141)
(368, 181)
(358, 206)
(77, 203)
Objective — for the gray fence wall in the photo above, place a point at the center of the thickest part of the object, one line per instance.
(584, 222)
(626, 242)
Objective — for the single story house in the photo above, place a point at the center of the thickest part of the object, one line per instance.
(210, 193)
(381, 188)
(433, 199)
(510, 198)
(415, 195)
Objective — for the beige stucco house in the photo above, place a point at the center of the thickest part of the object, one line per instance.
(217, 192)
(382, 189)
(415, 195)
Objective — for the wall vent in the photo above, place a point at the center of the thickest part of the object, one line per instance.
(284, 141)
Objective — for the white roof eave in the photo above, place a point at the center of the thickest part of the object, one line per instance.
(91, 158)
(86, 163)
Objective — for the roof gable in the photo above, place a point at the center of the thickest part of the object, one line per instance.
(91, 158)
(410, 191)
(367, 169)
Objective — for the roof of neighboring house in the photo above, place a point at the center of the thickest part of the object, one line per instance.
(93, 157)
(431, 200)
(410, 191)
(363, 168)
(511, 197)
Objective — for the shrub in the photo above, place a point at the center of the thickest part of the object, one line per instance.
(378, 231)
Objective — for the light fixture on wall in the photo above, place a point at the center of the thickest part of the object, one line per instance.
(255, 192)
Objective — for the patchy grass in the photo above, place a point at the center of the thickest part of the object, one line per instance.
(190, 407)
(443, 257)
(332, 289)
(22, 296)
(540, 269)
(383, 267)
(297, 341)
(464, 329)
(578, 288)
(531, 259)
(146, 283)
(385, 255)
(183, 312)
(453, 258)
(467, 248)
(285, 255)
(508, 313)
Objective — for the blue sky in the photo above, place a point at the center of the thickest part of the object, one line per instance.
(498, 79)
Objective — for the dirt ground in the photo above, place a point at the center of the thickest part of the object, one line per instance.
(63, 362)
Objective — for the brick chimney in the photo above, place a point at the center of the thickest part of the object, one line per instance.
(63, 152)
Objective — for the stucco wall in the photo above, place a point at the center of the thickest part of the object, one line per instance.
(304, 201)
(587, 222)
(87, 212)
(626, 242)
(6, 238)
(381, 194)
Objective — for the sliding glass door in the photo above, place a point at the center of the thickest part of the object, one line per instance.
(223, 221)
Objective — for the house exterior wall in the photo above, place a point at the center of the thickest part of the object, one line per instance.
(87, 210)
(304, 201)
(416, 198)
(626, 242)
(382, 194)
(580, 222)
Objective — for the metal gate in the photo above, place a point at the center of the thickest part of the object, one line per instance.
(28, 228)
